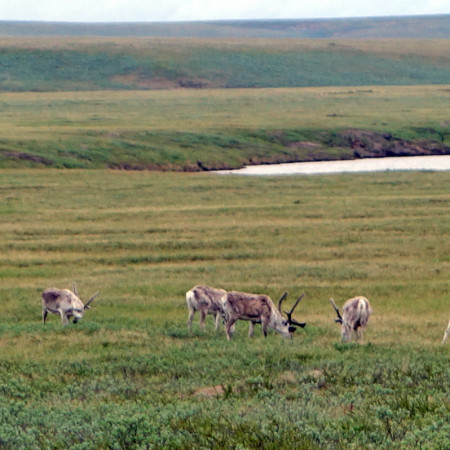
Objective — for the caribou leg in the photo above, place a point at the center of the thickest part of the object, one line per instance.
(229, 329)
(64, 319)
(202, 319)
(190, 319)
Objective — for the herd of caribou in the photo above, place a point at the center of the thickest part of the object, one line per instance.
(229, 306)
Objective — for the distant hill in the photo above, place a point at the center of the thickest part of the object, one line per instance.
(111, 63)
(419, 27)
(37, 56)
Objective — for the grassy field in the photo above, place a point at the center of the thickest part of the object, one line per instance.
(130, 375)
(174, 129)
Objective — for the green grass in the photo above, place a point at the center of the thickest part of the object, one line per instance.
(175, 129)
(129, 375)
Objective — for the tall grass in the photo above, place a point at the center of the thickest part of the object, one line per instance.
(130, 375)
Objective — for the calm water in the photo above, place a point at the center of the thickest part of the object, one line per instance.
(433, 163)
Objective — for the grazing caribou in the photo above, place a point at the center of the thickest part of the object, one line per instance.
(447, 332)
(206, 300)
(65, 303)
(356, 314)
(258, 309)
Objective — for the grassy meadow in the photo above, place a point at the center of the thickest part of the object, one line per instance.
(221, 128)
(129, 375)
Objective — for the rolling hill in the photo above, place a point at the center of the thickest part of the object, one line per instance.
(418, 27)
(101, 63)
(199, 96)
(37, 56)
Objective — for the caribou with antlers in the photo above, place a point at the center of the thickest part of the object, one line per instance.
(259, 309)
(65, 303)
(356, 314)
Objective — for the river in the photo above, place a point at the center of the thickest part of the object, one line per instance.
(421, 163)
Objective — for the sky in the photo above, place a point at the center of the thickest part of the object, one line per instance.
(192, 10)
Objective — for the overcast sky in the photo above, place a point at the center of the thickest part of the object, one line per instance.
(188, 10)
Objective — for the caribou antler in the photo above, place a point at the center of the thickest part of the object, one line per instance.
(86, 306)
(289, 314)
(339, 319)
(283, 297)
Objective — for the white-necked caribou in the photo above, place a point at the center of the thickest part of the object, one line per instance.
(65, 303)
(355, 315)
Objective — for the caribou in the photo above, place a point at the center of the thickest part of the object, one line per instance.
(257, 308)
(446, 333)
(356, 314)
(64, 302)
(206, 300)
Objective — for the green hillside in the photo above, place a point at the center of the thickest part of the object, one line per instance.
(68, 64)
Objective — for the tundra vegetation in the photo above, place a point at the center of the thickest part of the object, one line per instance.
(130, 374)
(195, 104)
(189, 130)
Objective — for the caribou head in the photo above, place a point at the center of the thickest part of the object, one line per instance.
(78, 313)
(290, 322)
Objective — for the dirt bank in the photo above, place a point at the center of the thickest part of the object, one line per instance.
(370, 144)
(248, 149)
